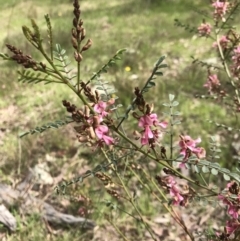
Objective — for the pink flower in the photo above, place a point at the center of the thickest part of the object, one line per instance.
(101, 132)
(100, 108)
(232, 226)
(236, 61)
(204, 29)
(223, 42)
(187, 143)
(213, 83)
(175, 193)
(188, 147)
(232, 209)
(146, 120)
(173, 190)
(170, 181)
(149, 135)
(220, 8)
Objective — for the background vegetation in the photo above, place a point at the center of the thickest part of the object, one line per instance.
(146, 28)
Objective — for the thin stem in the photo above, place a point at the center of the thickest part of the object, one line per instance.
(130, 197)
(64, 80)
(163, 162)
(209, 195)
(78, 69)
(226, 67)
(203, 179)
(118, 230)
(171, 211)
(228, 17)
(171, 132)
(122, 210)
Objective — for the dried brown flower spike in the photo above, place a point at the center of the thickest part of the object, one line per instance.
(25, 60)
(78, 33)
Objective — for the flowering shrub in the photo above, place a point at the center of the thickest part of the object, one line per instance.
(99, 126)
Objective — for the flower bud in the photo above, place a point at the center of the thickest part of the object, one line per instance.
(87, 45)
(78, 57)
(74, 42)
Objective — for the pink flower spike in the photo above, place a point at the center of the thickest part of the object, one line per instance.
(174, 192)
(223, 42)
(204, 29)
(212, 83)
(220, 8)
(188, 142)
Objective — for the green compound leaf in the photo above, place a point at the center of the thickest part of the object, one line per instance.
(177, 122)
(162, 66)
(63, 62)
(167, 104)
(205, 169)
(43, 128)
(226, 177)
(196, 169)
(150, 84)
(214, 171)
(158, 73)
(160, 60)
(105, 67)
(175, 103)
(29, 76)
(176, 113)
(171, 97)
(235, 176)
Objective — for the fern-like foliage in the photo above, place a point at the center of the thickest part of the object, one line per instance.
(30, 76)
(61, 189)
(214, 168)
(185, 26)
(63, 62)
(228, 128)
(202, 12)
(106, 66)
(43, 128)
(50, 34)
(105, 89)
(211, 97)
(210, 167)
(204, 64)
